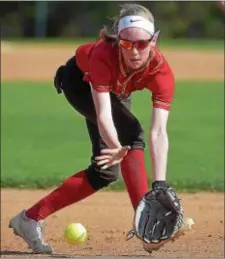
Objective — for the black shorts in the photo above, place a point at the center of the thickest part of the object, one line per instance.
(78, 94)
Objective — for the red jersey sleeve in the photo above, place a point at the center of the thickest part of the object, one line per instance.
(162, 87)
(99, 74)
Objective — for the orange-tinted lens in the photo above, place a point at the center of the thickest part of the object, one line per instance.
(126, 44)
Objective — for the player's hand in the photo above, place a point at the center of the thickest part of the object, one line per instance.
(111, 157)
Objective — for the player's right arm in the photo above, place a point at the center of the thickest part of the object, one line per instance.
(115, 152)
(100, 79)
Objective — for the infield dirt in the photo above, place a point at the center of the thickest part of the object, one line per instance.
(107, 217)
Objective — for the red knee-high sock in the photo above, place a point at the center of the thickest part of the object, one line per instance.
(135, 175)
(74, 189)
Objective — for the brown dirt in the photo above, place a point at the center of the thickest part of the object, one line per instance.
(24, 62)
(107, 217)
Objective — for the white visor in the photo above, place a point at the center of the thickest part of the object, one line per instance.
(136, 22)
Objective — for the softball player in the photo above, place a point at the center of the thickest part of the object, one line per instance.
(98, 82)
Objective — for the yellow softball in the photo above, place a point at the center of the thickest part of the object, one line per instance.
(75, 234)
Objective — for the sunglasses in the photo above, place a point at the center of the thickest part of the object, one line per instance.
(139, 44)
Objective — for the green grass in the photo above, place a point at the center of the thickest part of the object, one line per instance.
(44, 140)
(199, 44)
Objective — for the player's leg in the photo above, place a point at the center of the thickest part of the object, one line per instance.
(27, 224)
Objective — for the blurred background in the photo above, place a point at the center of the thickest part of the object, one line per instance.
(44, 140)
(39, 19)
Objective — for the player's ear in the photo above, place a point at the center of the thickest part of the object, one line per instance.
(155, 38)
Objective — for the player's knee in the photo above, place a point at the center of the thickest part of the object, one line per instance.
(138, 142)
(99, 179)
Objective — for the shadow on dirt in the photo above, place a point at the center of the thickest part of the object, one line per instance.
(8, 252)
(16, 253)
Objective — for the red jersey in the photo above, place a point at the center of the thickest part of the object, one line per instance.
(103, 67)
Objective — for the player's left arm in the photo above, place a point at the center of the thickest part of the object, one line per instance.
(159, 215)
(162, 88)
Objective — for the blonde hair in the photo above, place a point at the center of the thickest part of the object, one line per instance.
(126, 9)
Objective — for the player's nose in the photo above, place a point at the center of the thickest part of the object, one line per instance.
(134, 52)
